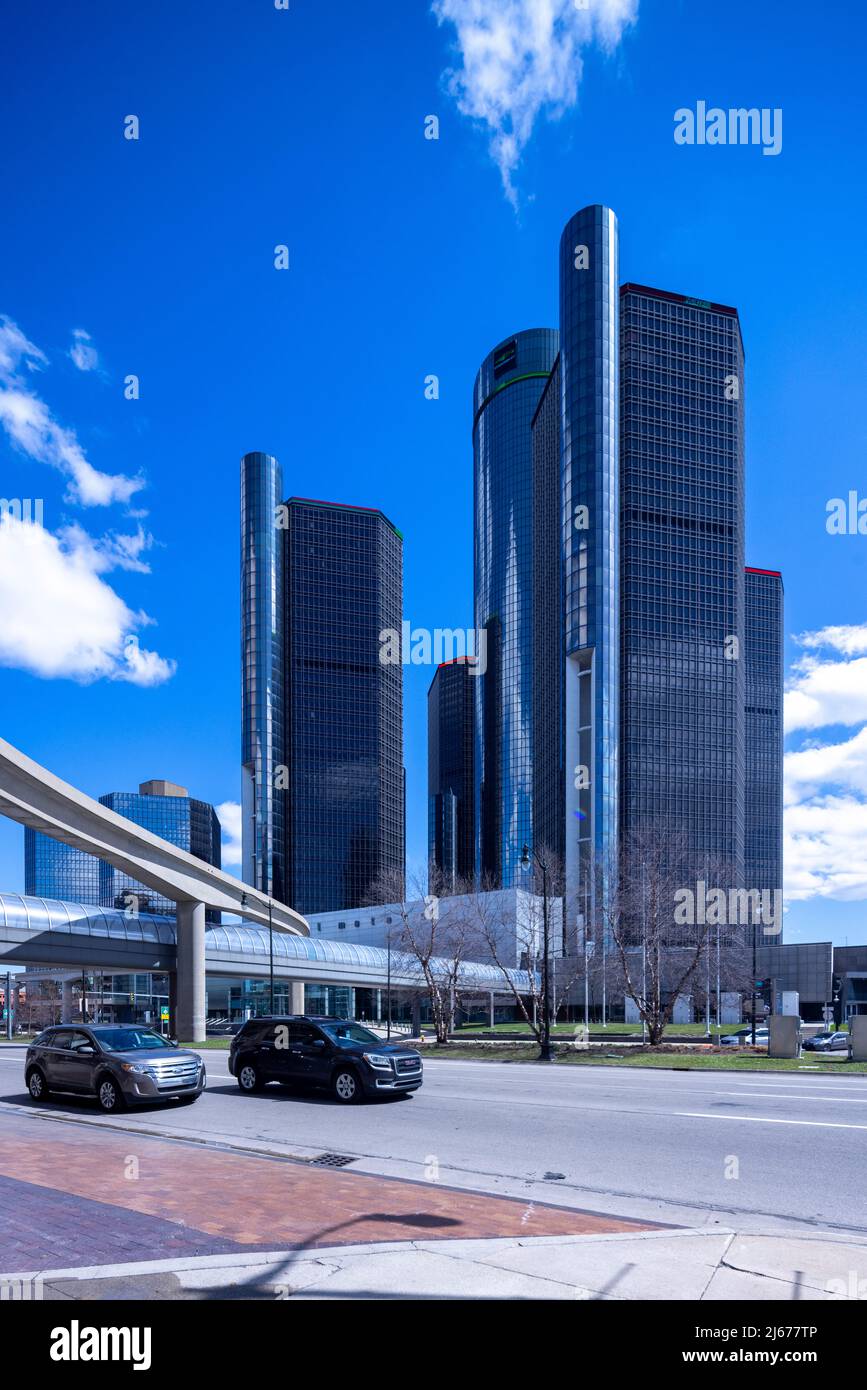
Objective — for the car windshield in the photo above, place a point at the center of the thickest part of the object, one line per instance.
(345, 1034)
(130, 1040)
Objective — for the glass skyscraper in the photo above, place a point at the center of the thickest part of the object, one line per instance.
(590, 491)
(549, 747)
(508, 387)
(648, 693)
(682, 572)
(262, 667)
(322, 715)
(55, 870)
(763, 868)
(450, 780)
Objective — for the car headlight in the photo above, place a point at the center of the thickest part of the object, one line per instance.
(376, 1059)
(140, 1068)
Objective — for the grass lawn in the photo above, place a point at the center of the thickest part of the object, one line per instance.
(668, 1062)
(567, 1030)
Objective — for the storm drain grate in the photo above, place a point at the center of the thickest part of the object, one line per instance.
(331, 1160)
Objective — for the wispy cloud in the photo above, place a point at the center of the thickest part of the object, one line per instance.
(31, 427)
(829, 682)
(521, 59)
(83, 354)
(825, 848)
(229, 814)
(60, 617)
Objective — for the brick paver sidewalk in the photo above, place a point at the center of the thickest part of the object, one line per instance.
(74, 1195)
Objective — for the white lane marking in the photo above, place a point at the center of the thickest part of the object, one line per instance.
(765, 1120)
(785, 1095)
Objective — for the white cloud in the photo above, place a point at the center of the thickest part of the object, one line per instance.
(825, 831)
(851, 640)
(85, 357)
(841, 765)
(60, 619)
(111, 551)
(31, 426)
(522, 58)
(829, 689)
(229, 813)
(824, 849)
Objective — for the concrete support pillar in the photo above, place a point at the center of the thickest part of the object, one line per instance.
(66, 1002)
(297, 1000)
(191, 972)
(492, 1008)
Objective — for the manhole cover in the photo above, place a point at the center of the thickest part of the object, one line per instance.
(331, 1160)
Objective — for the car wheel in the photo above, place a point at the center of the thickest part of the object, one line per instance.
(109, 1095)
(248, 1078)
(347, 1087)
(37, 1085)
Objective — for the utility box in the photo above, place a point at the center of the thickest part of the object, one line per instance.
(858, 1037)
(784, 1036)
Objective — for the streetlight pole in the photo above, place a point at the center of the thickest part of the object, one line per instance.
(388, 985)
(271, 958)
(755, 968)
(545, 1044)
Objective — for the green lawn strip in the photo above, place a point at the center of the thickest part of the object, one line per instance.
(568, 1030)
(672, 1061)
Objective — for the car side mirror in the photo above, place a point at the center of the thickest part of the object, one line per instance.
(87, 1049)
(173, 1042)
(319, 1042)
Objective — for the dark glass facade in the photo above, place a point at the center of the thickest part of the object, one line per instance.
(549, 787)
(682, 572)
(763, 868)
(507, 391)
(262, 667)
(55, 870)
(322, 715)
(344, 708)
(451, 781)
(590, 490)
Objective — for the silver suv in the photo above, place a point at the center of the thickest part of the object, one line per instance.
(119, 1063)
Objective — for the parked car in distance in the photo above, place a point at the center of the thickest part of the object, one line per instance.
(315, 1050)
(817, 1041)
(121, 1064)
(743, 1037)
(830, 1042)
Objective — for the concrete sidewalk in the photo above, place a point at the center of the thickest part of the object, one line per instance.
(688, 1265)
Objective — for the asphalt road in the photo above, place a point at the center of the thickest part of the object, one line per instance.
(759, 1152)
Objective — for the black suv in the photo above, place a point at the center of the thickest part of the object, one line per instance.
(337, 1053)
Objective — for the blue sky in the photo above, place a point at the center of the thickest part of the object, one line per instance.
(305, 126)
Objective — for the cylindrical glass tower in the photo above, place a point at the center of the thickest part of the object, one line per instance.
(262, 694)
(507, 392)
(590, 475)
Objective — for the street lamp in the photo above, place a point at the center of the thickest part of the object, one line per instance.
(388, 983)
(545, 1045)
(271, 958)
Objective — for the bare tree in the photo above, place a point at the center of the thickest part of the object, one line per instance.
(436, 933)
(523, 948)
(648, 908)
